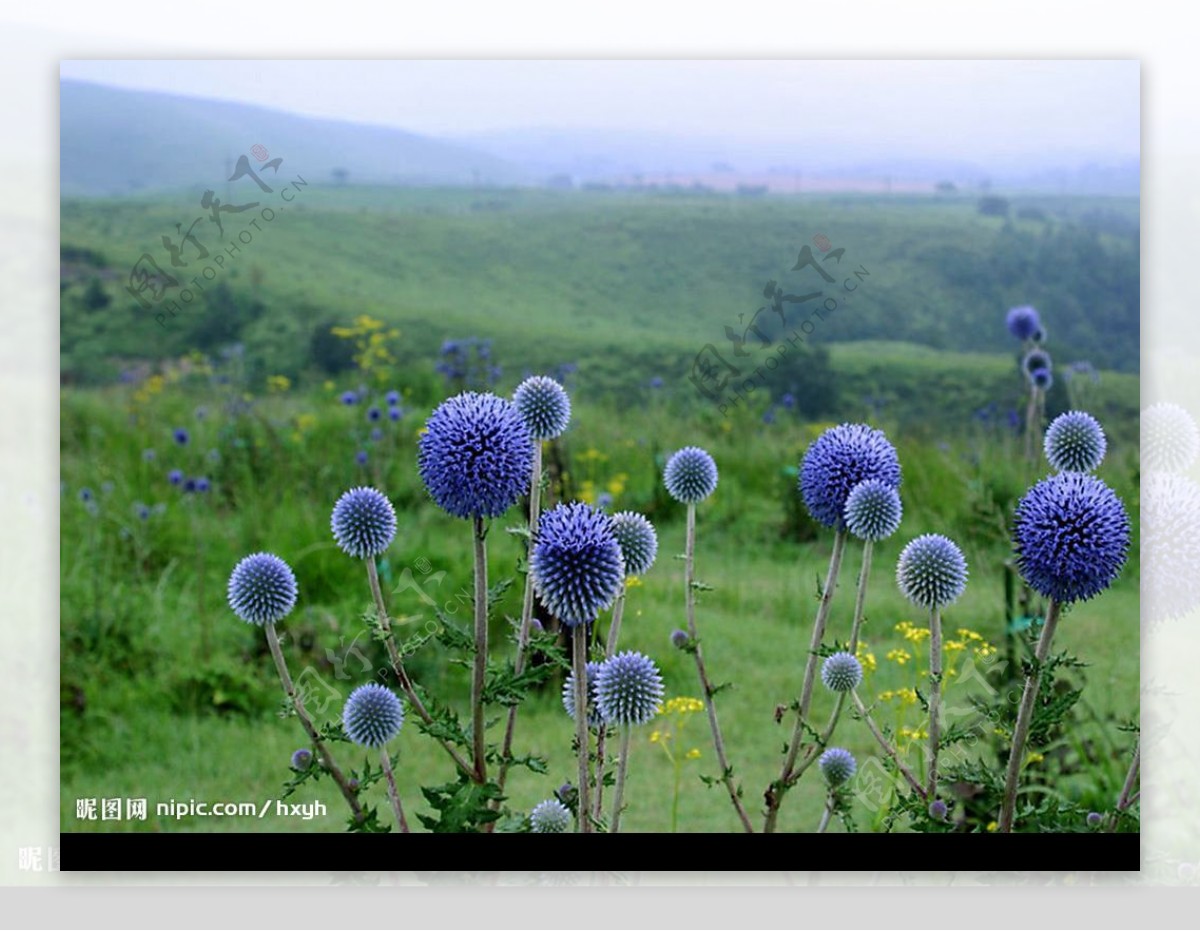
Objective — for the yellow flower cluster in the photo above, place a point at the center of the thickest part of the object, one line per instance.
(683, 705)
(151, 387)
(865, 657)
(904, 696)
(913, 733)
(899, 656)
(912, 633)
(277, 384)
(372, 343)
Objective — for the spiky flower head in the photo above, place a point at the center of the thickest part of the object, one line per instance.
(1170, 541)
(373, 715)
(1094, 818)
(837, 765)
(873, 510)
(392, 398)
(544, 406)
(637, 539)
(1071, 536)
(841, 458)
(1042, 379)
(302, 759)
(1170, 438)
(680, 638)
(1023, 322)
(841, 672)
(1075, 442)
(175, 477)
(568, 695)
(690, 475)
(576, 563)
(1039, 335)
(476, 455)
(363, 522)
(262, 589)
(203, 484)
(931, 571)
(374, 413)
(629, 689)
(349, 397)
(938, 810)
(181, 436)
(1037, 359)
(550, 817)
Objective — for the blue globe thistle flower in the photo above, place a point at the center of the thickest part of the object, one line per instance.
(544, 406)
(568, 695)
(690, 475)
(841, 672)
(189, 485)
(1170, 438)
(576, 564)
(629, 689)
(1094, 818)
(1022, 322)
(202, 484)
(148, 455)
(931, 571)
(938, 810)
(361, 457)
(181, 436)
(637, 539)
(374, 414)
(394, 414)
(85, 494)
(262, 589)
(141, 510)
(476, 455)
(1039, 335)
(873, 510)
(1075, 442)
(349, 397)
(302, 759)
(1042, 379)
(373, 715)
(1071, 535)
(604, 500)
(840, 459)
(680, 638)
(363, 522)
(837, 765)
(656, 382)
(1036, 359)
(393, 398)
(376, 435)
(550, 817)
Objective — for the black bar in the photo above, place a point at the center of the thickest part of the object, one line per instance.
(352, 852)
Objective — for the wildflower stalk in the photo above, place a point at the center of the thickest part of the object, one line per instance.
(619, 791)
(614, 630)
(776, 792)
(860, 598)
(393, 793)
(1128, 796)
(826, 815)
(689, 581)
(1016, 755)
(579, 664)
(887, 747)
(398, 666)
(535, 507)
(478, 735)
(327, 759)
(1030, 424)
(935, 695)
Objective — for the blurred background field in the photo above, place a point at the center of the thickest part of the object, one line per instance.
(166, 695)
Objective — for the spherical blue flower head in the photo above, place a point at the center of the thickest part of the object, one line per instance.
(938, 810)
(1170, 438)
(873, 510)
(302, 759)
(1075, 442)
(394, 414)
(1023, 322)
(680, 639)
(637, 539)
(1042, 379)
(376, 435)
(361, 457)
(841, 458)
(85, 494)
(841, 672)
(629, 689)
(363, 522)
(189, 485)
(1094, 818)
(175, 477)
(690, 475)
(931, 571)
(544, 406)
(262, 589)
(576, 564)
(568, 695)
(181, 436)
(476, 455)
(393, 398)
(148, 455)
(837, 765)
(1039, 335)
(349, 397)
(374, 413)
(550, 817)
(373, 715)
(1071, 536)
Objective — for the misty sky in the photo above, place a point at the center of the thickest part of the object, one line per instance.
(986, 111)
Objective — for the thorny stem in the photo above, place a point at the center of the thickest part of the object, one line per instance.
(393, 793)
(1016, 755)
(298, 703)
(887, 747)
(579, 664)
(619, 791)
(614, 629)
(935, 696)
(535, 505)
(397, 661)
(478, 735)
(689, 581)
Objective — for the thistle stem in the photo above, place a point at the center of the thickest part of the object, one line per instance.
(614, 630)
(535, 506)
(1128, 796)
(478, 735)
(402, 677)
(860, 598)
(393, 793)
(1016, 755)
(579, 665)
(887, 747)
(935, 696)
(327, 759)
(826, 815)
(619, 791)
(689, 582)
